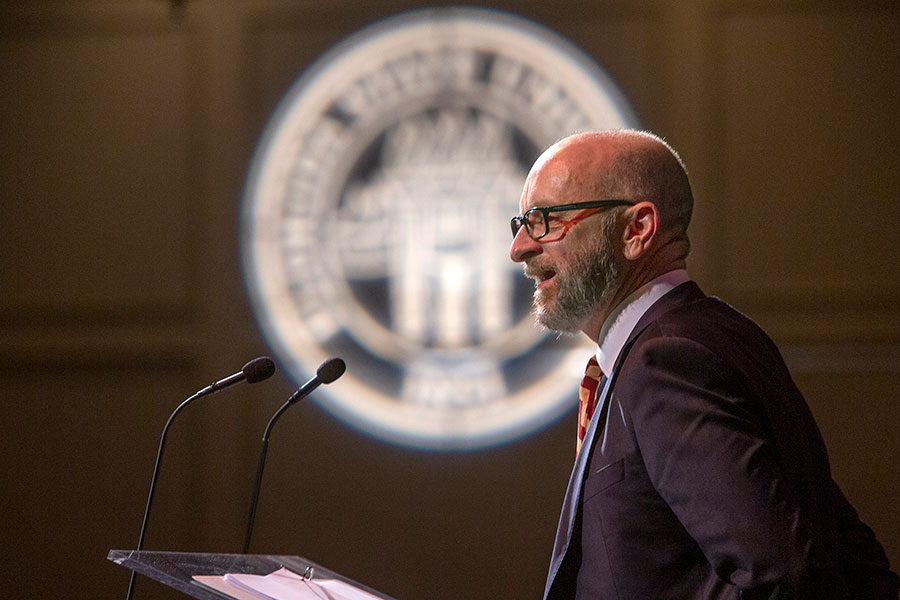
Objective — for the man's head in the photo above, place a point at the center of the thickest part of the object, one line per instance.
(591, 257)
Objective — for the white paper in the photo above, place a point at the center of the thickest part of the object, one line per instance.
(284, 584)
(217, 582)
(338, 590)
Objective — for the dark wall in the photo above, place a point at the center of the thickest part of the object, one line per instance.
(127, 130)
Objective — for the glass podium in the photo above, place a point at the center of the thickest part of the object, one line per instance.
(177, 569)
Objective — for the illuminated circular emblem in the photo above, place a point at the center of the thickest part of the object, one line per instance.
(376, 224)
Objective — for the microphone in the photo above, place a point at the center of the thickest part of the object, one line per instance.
(254, 371)
(327, 372)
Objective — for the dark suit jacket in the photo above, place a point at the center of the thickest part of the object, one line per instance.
(708, 477)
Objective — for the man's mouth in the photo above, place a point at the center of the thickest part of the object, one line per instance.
(544, 277)
(540, 275)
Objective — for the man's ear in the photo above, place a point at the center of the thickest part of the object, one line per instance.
(641, 228)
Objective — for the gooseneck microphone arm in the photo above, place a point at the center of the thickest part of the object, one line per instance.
(327, 372)
(254, 371)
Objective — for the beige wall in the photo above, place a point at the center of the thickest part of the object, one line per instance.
(127, 129)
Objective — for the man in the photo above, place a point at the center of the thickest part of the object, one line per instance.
(702, 474)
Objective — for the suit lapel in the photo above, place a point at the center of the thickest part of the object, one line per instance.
(573, 491)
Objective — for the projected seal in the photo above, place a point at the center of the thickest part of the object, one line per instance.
(376, 224)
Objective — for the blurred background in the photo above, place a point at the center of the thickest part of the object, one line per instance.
(128, 130)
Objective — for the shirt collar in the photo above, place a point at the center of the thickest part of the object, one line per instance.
(618, 325)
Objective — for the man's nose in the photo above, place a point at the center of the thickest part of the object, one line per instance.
(523, 247)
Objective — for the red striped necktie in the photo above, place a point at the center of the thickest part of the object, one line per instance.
(587, 398)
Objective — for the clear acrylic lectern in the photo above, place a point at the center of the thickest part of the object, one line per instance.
(177, 569)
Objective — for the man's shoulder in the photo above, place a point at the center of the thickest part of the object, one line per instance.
(708, 311)
(687, 312)
(707, 324)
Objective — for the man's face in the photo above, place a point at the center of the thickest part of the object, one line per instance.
(570, 286)
(573, 267)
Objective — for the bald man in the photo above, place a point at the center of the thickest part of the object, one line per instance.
(700, 473)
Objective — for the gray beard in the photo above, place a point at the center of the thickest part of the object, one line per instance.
(581, 288)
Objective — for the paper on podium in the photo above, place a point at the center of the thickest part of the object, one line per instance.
(282, 584)
(217, 582)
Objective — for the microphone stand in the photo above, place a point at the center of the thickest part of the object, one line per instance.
(254, 500)
(254, 371)
(159, 453)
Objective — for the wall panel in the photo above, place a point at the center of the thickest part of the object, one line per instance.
(858, 414)
(806, 202)
(76, 457)
(96, 169)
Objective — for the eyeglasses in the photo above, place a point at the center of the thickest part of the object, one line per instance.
(537, 220)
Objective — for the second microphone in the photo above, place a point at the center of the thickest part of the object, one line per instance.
(327, 372)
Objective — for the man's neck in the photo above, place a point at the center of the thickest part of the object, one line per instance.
(632, 281)
(619, 322)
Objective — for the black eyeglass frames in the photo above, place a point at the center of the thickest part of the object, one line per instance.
(537, 219)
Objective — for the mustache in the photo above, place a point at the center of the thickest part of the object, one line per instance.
(535, 268)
